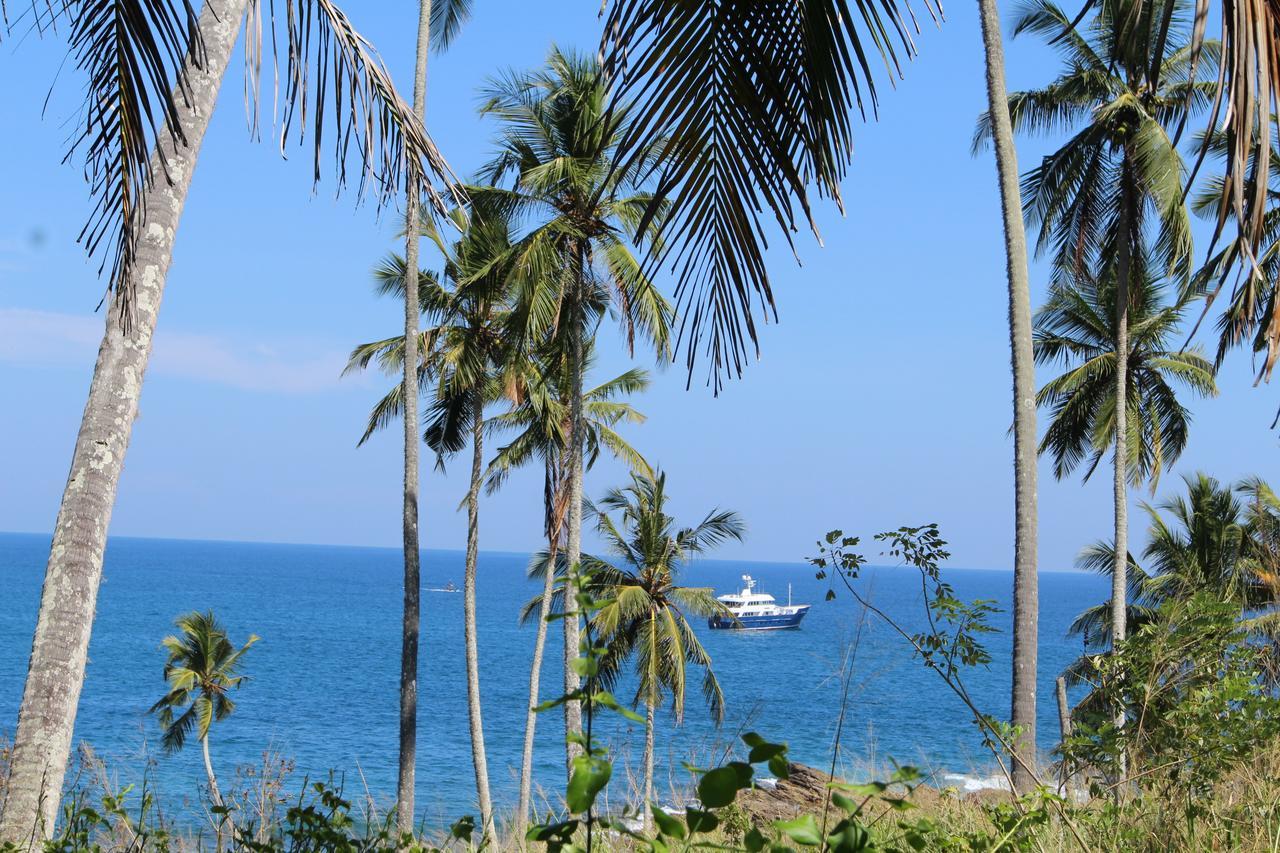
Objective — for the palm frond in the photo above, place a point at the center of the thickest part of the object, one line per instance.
(754, 104)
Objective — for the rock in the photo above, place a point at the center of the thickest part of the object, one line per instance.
(805, 792)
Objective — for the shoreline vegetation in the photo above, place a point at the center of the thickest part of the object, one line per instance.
(638, 182)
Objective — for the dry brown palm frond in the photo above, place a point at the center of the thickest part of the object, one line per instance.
(1245, 108)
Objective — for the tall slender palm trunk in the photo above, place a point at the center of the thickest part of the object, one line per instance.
(573, 547)
(553, 523)
(411, 621)
(646, 809)
(55, 675)
(1025, 580)
(474, 717)
(214, 794)
(1120, 566)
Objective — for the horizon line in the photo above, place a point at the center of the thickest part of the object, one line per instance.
(394, 548)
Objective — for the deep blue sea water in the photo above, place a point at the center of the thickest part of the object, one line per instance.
(325, 675)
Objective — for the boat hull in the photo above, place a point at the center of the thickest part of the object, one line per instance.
(771, 622)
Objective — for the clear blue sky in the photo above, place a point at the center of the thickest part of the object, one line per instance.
(882, 397)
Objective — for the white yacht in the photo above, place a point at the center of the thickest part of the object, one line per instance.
(757, 611)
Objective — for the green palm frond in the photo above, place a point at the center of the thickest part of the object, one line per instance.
(447, 19)
(136, 56)
(754, 104)
(1076, 329)
(645, 619)
(202, 666)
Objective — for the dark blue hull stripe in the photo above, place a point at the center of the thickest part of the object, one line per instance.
(757, 623)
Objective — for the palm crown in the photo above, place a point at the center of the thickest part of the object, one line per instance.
(202, 668)
(1216, 538)
(1125, 81)
(556, 172)
(540, 421)
(1076, 328)
(466, 351)
(646, 611)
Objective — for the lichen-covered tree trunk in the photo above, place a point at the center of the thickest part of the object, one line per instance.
(411, 617)
(474, 717)
(1120, 565)
(1025, 580)
(55, 675)
(573, 547)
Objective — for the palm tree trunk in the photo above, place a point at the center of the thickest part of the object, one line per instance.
(1120, 566)
(646, 813)
(1064, 709)
(478, 758)
(411, 624)
(1025, 581)
(59, 651)
(208, 769)
(573, 549)
(535, 668)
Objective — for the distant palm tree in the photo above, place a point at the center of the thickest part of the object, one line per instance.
(646, 611)
(1216, 539)
(557, 170)
(1129, 80)
(467, 359)
(541, 423)
(203, 667)
(438, 23)
(1077, 329)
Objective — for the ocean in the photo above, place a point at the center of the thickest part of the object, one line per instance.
(324, 678)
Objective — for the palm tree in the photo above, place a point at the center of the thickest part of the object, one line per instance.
(645, 615)
(136, 222)
(541, 423)
(438, 24)
(203, 667)
(1026, 598)
(1217, 539)
(1077, 329)
(557, 170)
(1126, 79)
(467, 356)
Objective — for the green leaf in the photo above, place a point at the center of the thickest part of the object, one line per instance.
(608, 700)
(843, 802)
(765, 751)
(720, 787)
(667, 825)
(780, 767)
(551, 831)
(849, 837)
(463, 828)
(551, 703)
(860, 789)
(802, 830)
(753, 841)
(588, 779)
(586, 667)
(700, 821)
